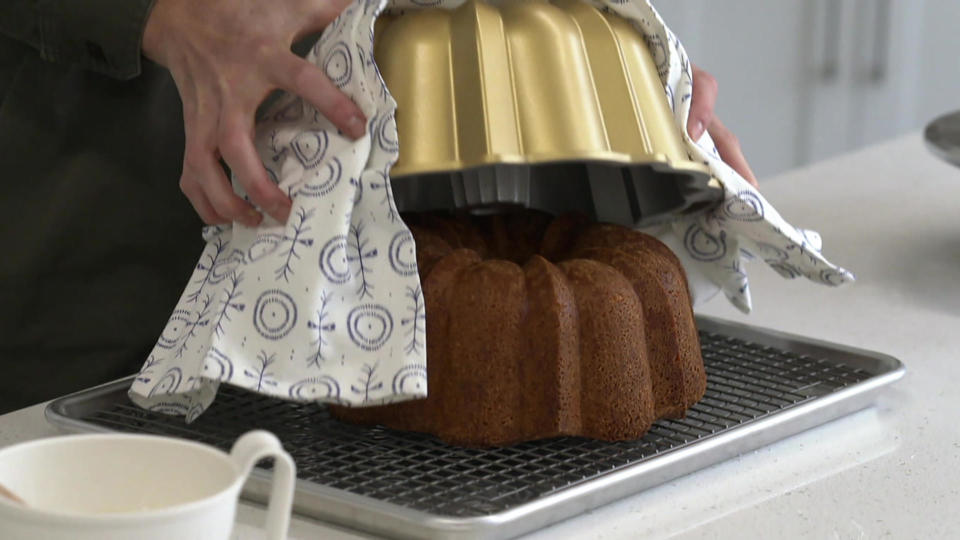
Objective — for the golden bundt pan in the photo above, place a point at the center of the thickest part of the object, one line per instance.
(533, 103)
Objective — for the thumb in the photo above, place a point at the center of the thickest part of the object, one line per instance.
(702, 103)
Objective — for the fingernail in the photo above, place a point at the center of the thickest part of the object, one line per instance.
(252, 218)
(697, 131)
(281, 212)
(356, 126)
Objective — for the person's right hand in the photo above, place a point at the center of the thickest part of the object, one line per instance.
(226, 56)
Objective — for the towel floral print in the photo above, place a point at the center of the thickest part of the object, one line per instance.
(327, 306)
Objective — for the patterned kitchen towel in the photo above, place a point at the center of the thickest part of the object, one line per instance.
(328, 306)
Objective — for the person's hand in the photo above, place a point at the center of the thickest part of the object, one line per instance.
(702, 118)
(226, 56)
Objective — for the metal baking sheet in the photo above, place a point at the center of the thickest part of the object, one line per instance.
(762, 386)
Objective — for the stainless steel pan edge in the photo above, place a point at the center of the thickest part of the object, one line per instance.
(57, 411)
(397, 522)
(363, 513)
(353, 511)
(873, 362)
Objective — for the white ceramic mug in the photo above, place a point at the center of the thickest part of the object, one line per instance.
(143, 487)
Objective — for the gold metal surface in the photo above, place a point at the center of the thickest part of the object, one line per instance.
(525, 82)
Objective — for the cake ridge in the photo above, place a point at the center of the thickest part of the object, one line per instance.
(542, 327)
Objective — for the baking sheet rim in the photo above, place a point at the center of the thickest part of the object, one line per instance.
(363, 513)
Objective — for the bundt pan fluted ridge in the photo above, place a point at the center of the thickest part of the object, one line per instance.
(551, 105)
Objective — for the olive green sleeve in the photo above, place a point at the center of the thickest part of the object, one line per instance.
(99, 35)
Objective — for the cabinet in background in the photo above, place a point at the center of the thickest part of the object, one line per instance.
(801, 80)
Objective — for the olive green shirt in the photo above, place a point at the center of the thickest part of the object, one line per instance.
(96, 239)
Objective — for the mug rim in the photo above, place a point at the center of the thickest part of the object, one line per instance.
(189, 507)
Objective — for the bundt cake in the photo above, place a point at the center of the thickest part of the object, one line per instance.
(540, 327)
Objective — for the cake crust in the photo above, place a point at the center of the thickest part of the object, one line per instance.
(542, 327)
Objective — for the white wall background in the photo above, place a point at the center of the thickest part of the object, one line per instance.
(801, 80)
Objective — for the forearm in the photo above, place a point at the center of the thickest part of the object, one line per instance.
(100, 35)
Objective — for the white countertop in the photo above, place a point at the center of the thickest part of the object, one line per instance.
(891, 214)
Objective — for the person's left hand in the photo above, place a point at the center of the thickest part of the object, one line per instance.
(702, 118)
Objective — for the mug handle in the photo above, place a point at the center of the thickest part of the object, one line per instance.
(254, 446)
